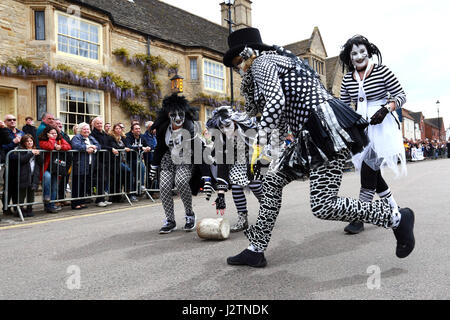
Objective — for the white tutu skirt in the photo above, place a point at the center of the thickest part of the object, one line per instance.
(385, 148)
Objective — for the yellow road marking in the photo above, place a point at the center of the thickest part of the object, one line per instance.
(75, 217)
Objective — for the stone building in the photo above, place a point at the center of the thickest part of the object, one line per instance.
(84, 58)
(312, 51)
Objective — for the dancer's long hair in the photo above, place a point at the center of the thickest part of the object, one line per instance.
(372, 49)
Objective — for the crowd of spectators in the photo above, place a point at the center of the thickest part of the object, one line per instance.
(113, 170)
(426, 149)
(102, 162)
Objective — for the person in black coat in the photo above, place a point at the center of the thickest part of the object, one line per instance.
(25, 168)
(4, 139)
(118, 162)
(177, 144)
(29, 128)
(102, 174)
(138, 144)
(68, 158)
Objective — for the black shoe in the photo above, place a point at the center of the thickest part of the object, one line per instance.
(249, 258)
(354, 227)
(28, 214)
(190, 223)
(168, 227)
(51, 210)
(404, 233)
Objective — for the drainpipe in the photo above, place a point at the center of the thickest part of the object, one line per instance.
(148, 53)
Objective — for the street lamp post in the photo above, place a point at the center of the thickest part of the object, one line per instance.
(229, 3)
(439, 122)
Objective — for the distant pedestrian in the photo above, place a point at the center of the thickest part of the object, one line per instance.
(29, 128)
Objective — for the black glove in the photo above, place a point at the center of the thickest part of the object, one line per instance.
(379, 116)
(207, 187)
(152, 173)
(220, 203)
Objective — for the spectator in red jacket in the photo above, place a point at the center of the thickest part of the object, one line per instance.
(51, 140)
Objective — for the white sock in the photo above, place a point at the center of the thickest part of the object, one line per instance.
(252, 248)
(388, 195)
(396, 217)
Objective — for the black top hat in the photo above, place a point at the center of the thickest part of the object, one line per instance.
(237, 41)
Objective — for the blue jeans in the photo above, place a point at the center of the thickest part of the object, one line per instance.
(50, 186)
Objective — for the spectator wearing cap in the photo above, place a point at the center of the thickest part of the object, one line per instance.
(29, 128)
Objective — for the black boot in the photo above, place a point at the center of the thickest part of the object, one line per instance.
(354, 227)
(249, 258)
(404, 233)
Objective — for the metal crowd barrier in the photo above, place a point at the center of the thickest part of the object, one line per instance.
(108, 176)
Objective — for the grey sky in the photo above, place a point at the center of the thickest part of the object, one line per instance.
(411, 35)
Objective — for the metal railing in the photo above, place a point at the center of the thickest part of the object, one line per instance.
(89, 175)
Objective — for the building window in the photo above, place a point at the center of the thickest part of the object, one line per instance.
(213, 75)
(193, 67)
(208, 114)
(41, 101)
(318, 66)
(78, 105)
(39, 25)
(78, 37)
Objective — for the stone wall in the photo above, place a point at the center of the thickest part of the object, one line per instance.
(17, 39)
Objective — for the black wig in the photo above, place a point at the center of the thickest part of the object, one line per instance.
(174, 103)
(344, 56)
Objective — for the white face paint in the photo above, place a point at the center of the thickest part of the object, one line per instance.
(228, 130)
(177, 118)
(359, 57)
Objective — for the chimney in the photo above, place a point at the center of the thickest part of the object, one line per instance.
(241, 14)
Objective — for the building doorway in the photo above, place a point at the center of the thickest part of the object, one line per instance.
(8, 102)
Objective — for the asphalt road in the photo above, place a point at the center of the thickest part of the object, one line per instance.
(118, 253)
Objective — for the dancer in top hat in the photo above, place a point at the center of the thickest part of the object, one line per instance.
(377, 94)
(236, 137)
(289, 95)
(176, 142)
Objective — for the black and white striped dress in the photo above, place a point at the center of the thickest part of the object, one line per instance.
(386, 138)
(377, 85)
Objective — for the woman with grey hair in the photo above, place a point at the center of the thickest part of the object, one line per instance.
(83, 164)
(236, 131)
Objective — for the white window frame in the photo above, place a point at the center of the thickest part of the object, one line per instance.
(68, 87)
(79, 20)
(191, 70)
(224, 79)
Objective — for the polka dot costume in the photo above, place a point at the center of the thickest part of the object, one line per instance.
(283, 91)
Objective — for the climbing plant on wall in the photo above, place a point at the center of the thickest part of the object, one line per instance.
(216, 101)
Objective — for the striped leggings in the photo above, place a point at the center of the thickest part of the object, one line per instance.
(239, 197)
